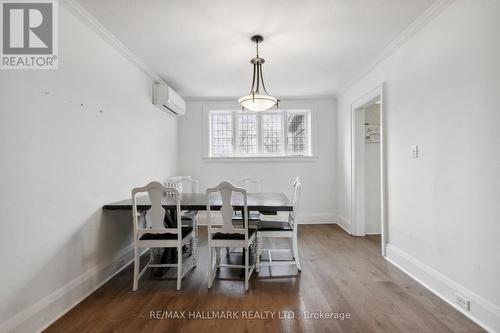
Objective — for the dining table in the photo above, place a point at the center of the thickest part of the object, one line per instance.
(266, 203)
(263, 202)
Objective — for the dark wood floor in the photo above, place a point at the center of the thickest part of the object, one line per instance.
(340, 274)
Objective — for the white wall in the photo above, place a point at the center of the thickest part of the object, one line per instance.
(372, 175)
(317, 175)
(61, 162)
(442, 92)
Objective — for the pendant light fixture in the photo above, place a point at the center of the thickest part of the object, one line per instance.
(257, 101)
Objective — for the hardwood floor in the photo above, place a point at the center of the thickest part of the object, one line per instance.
(341, 274)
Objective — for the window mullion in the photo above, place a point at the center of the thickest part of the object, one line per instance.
(210, 133)
(285, 132)
(259, 134)
(236, 134)
(235, 129)
(307, 126)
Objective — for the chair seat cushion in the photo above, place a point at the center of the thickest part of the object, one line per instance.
(220, 235)
(185, 232)
(274, 226)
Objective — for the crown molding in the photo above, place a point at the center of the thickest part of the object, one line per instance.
(111, 39)
(417, 25)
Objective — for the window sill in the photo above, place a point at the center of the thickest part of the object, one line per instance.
(239, 159)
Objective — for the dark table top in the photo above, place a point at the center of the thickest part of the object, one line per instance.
(263, 202)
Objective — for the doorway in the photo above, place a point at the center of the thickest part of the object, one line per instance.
(368, 174)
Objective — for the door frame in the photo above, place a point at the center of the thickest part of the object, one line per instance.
(358, 223)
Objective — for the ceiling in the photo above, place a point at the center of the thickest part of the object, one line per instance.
(202, 48)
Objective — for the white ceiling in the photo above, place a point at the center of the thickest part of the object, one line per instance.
(202, 48)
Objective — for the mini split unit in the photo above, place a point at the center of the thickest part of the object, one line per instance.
(166, 99)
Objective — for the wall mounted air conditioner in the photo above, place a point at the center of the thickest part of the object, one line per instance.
(166, 99)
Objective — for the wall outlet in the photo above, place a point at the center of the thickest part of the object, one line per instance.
(462, 301)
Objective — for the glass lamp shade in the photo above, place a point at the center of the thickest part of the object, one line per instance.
(257, 102)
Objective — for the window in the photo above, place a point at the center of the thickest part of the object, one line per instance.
(247, 133)
(297, 135)
(272, 132)
(222, 133)
(264, 134)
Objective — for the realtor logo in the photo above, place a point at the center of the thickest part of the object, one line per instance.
(29, 34)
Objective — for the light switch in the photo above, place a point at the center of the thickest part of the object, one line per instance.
(414, 151)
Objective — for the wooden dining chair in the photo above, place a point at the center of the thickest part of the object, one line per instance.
(186, 184)
(150, 230)
(280, 229)
(252, 185)
(227, 234)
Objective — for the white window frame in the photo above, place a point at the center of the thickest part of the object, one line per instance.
(307, 114)
(210, 125)
(285, 108)
(237, 130)
(283, 127)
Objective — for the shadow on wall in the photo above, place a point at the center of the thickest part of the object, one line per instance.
(92, 254)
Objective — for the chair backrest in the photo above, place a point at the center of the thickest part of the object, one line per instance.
(250, 184)
(296, 186)
(152, 220)
(226, 190)
(185, 184)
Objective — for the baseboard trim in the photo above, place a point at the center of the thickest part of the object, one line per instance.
(304, 218)
(42, 314)
(482, 312)
(316, 218)
(344, 223)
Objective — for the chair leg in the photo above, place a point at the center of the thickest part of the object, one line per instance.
(217, 262)
(194, 247)
(136, 268)
(246, 269)
(179, 267)
(259, 251)
(296, 248)
(194, 241)
(254, 252)
(210, 274)
(191, 249)
(195, 254)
